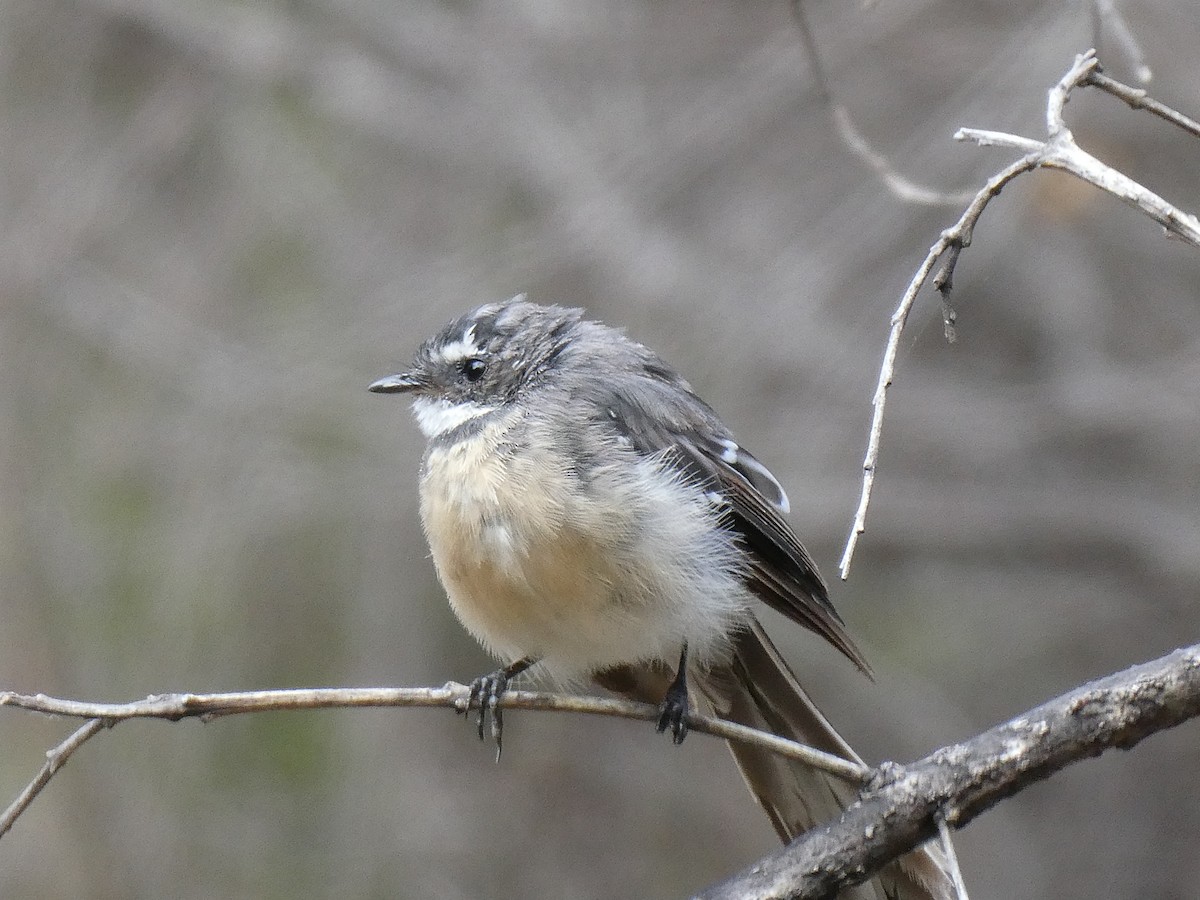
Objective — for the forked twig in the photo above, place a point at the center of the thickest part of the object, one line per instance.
(1057, 151)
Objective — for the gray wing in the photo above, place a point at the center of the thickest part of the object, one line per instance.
(658, 414)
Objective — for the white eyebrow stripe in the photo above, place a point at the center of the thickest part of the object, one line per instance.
(438, 417)
(463, 348)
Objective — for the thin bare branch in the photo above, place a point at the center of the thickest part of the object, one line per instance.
(952, 240)
(1058, 151)
(903, 806)
(953, 785)
(55, 760)
(1137, 98)
(173, 707)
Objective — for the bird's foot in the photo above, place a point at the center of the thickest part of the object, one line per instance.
(673, 712)
(485, 694)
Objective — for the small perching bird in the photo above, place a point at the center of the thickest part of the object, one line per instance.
(590, 515)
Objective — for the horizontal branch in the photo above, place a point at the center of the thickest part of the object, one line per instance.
(452, 695)
(957, 783)
(902, 807)
(173, 707)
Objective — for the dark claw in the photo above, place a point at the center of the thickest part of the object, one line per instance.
(673, 714)
(486, 691)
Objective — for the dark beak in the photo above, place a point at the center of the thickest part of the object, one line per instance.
(402, 383)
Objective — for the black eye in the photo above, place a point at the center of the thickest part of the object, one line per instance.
(473, 369)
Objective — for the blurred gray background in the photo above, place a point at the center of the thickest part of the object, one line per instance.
(220, 221)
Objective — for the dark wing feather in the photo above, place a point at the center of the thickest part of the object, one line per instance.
(692, 438)
(781, 572)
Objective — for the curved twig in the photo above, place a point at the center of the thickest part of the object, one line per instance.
(901, 186)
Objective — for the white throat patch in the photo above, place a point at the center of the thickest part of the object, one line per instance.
(438, 417)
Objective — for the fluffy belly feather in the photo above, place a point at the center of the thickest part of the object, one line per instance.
(532, 568)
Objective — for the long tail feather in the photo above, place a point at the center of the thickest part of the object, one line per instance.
(757, 688)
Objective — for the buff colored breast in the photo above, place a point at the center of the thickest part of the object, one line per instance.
(521, 579)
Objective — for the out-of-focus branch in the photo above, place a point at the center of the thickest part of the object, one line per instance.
(904, 806)
(173, 707)
(1107, 18)
(1057, 151)
(900, 185)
